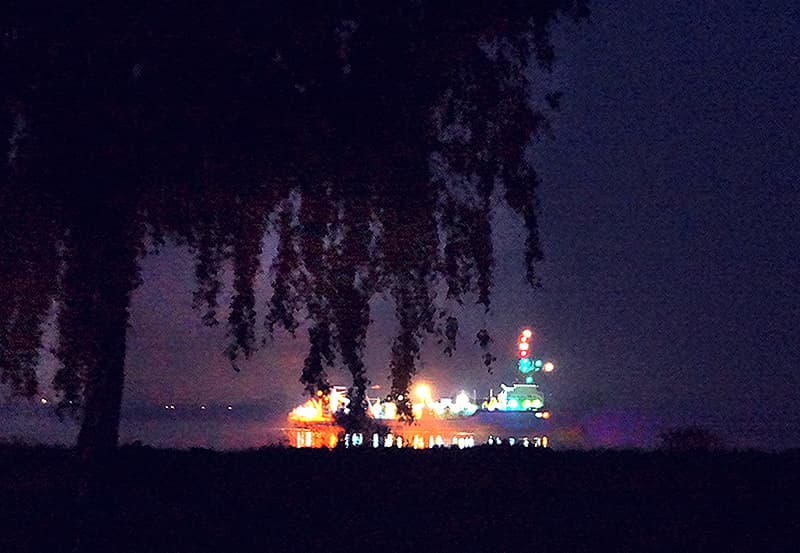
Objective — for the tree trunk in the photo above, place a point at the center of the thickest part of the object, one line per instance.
(97, 440)
(99, 431)
(103, 258)
(111, 277)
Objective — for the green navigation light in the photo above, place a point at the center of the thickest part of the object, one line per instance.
(525, 365)
(528, 380)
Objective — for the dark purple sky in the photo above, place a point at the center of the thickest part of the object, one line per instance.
(671, 294)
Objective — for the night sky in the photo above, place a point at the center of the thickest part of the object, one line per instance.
(671, 284)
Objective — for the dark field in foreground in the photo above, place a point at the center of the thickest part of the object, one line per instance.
(491, 499)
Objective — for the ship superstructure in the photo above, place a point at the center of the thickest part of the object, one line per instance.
(514, 415)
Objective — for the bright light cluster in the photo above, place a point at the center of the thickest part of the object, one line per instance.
(426, 406)
(460, 440)
(322, 407)
(518, 397)
(313, 410)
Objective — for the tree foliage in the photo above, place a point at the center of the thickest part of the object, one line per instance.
(370, 138)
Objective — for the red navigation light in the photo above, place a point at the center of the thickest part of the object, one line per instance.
(523, 353)
(526, 333)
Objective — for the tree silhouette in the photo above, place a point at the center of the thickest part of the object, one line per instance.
(370, 139)
(689, 438)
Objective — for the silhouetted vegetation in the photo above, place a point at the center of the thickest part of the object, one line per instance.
(370, 139)
(489, 498)
(690, 438)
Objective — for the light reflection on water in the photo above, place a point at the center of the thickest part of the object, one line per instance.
(212, 434)
(233, 434)
(234, 431)
(42, 426)
(243, 432)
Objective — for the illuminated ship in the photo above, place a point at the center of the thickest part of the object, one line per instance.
(514, 416)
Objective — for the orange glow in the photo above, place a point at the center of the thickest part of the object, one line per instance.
(546, 415)
(314, 436)
(313, 410)
(548, 367)
(423, 392)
